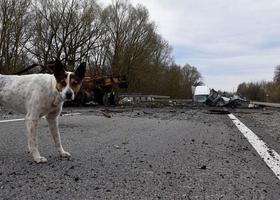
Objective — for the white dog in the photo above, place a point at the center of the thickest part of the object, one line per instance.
(39, 95)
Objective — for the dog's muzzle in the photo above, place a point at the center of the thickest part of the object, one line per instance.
(69, 95)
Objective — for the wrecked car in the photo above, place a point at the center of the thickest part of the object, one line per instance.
(218, 100)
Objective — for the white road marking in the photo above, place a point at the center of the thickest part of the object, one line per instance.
(71, 114)
(22, 119)
(11, 120)
(270, 156)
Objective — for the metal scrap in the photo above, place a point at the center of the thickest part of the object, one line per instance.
(234, 101)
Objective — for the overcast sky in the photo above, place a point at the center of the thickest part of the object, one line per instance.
(229, 41)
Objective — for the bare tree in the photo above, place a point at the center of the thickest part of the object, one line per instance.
(133, 41)
(191, 77)
(14, 19)
(277, 75)
(65, 29)
(253, 91)
(119, 39)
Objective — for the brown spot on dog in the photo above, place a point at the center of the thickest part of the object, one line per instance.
(75, 83)
(59, 86)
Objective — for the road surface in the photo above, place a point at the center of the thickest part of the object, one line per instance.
(143, 153)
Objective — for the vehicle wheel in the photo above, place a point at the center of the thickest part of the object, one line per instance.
(98, 96)
(114, 99)
(106, 101)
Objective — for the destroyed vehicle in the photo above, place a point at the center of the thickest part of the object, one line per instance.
(216, 99)
(98, 89)
(102, 90)
(201, 94)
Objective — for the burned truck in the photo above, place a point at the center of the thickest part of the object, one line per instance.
(102, 90)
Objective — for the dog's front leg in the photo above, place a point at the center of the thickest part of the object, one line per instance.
(32, 125)
(53, 127)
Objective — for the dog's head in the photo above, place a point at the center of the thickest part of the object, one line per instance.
(68, 83)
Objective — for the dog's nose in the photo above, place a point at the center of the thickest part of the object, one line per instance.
(68, 95)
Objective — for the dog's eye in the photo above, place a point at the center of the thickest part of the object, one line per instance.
(75, 82)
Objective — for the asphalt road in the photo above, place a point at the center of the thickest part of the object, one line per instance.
(144, 153)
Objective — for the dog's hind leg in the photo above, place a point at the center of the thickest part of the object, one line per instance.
(52, 119)
(32, 126)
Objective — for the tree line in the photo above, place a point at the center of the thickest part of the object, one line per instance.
(118, 39)
(262, 91)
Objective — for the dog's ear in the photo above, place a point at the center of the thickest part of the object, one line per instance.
(58, 70)
(80, 71)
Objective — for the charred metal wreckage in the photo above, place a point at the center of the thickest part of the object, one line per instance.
(100, 89)
(233, 101)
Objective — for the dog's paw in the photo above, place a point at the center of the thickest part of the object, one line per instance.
(65, 154)
(40, 159)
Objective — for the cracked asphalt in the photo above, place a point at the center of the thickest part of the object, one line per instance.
(142, 153)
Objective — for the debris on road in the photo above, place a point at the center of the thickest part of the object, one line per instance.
(158, 151)
(106, 114)
(203, 167)
(234, 101)
(116, 110)
(219, 111)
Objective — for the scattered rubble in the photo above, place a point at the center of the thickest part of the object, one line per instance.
(106, 114)
(219, 111)
(234, 101)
